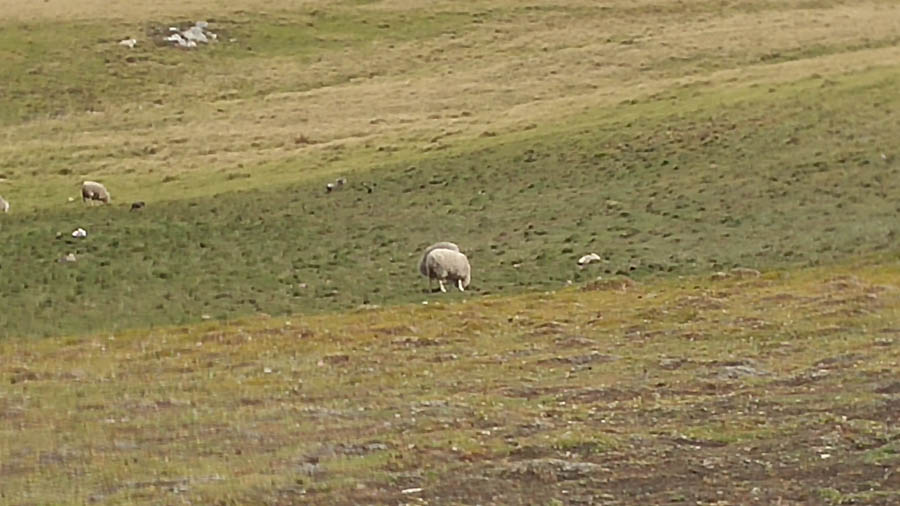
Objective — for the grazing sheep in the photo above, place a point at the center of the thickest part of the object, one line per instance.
(91, 190)
(335, 186)
(4, 205)
(137, 205)
(587, 259)
(448, 265)
(438, 245)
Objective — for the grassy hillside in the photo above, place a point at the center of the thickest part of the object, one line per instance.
(691, 183)
(248, 338)
(668, 139)
(779, 388)
(327, 87)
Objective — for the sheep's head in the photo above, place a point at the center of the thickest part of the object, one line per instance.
(467, 278)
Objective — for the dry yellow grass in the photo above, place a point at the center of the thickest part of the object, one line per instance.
(78, 10)
(504, 75)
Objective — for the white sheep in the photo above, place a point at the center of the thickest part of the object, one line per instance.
(448, 265)
(4, 205)
(588, 259)
(336, 185)
(92, 190)
(438, 245)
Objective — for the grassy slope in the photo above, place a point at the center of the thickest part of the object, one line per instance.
(649, 189)
(674, 140)
(405, 79)
(781, 388)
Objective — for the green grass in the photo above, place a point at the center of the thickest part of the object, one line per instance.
(650, 196)
(58, 68)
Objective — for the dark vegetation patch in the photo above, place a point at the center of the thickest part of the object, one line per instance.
(400, 403)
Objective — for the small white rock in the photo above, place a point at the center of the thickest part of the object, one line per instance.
(195, 33)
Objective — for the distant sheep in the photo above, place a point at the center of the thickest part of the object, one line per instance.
(4, 205)
(588, 259)
(137, 205)
(336, 185)
(448, 265)
(91, 190)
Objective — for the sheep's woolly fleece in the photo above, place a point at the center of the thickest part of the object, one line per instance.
(449, 265)
(92, 190)
(438, 245)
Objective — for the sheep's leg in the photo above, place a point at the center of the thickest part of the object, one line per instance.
(441, 283)
(459, 285)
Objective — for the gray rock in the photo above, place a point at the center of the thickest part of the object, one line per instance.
(196, 34)
(740, 371)
(553, 469)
